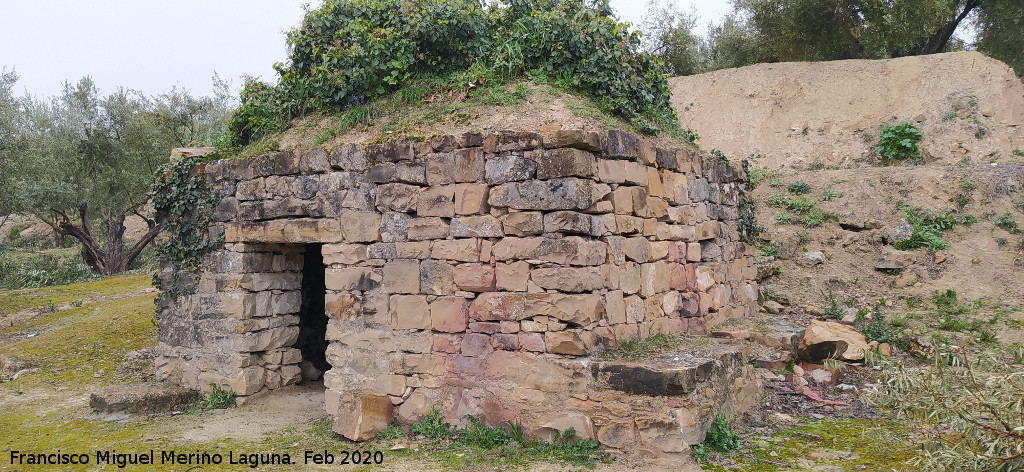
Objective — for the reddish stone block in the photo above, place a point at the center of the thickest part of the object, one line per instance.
(474, 345)
(683, 277)
(677, 251)
(468, 366)
(533, 342)
(505, 342)
(485, 327)
(498, 306)
(448, 343)
(449, 314)
(474, 277)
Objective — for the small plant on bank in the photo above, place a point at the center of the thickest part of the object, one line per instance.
(1007, 222)
(830, 194)
(927, 229)
(783, 218)
(218, 399)
(720, 438)
(799, 188)
(898, 142)
(877, 329)
(834, 310)
(393, 431)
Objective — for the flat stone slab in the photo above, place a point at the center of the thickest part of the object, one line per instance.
(146, 397)
(670, 374)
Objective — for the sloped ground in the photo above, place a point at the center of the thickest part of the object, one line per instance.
(815, 124)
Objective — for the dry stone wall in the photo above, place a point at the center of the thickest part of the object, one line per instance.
(477, 274)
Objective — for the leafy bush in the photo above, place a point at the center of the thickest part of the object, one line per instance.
(1007, 222)
(834, 310)
(346, 52)
(720, 438)
(432, 426)
(927, 229)
(898, 142)
(877, 329)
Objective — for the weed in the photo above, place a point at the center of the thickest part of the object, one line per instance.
(802, 205)
(803, 236)
(1017, 152)
(756, 174)
(814, 217)
(76, 303)
(799, 188)
(783, 218)
(834, 310)
(987, 337)
(897, 142)
(1007, 222)
(775, 182)
(968, 220)
(769, 251)
(877, 329)
(218, 399)
(958, 325)
(778, 200)
(720, 438)
(1001, 242)
(967, 185)
(927, 229)
(949, 116)
(432, 426)
(830, 194)
(393, 431)
(51, 307)
(962, 200)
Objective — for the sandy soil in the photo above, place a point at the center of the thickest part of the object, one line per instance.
(801, 113)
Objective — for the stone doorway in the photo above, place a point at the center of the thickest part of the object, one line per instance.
(312, 340)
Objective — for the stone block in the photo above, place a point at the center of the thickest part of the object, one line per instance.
(409, 312)
(634, 309)
(352, 278)
(360, 226)
(364, 419)
(511, 140)
(577, 309)
(449, 315)
(625, 224)
(475, 344)
(505, 342)
(567, 222)
(436, 277)
(574, 279)
(498, 306)
(533, 342)
(381, 173)
(622, 201)
(313, 161)
(350, 157)
(480, 226)
(615, 307)
(402, 276)
(343, 305)
(620, 144)
(565, 162)
(485, 327)
(654, 278)
(448, 343)
(395, 150)
(512, 276)
(422, 229)
(440, 169)
(572, 138)
(140, 398)
(462, 250)
(682, 277)
(556, 194)
(571, 250)
(509, 168)
(637, 249)
(437, 201)
(474, 277)
(394, 227)
(348, 254)
(470, 165)
(271, 281)
(565, 342)
(471, 199)
(396, 197)
(523, 223)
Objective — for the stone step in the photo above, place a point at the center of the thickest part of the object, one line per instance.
(670, 374)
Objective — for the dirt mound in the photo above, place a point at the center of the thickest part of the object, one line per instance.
(828, 114)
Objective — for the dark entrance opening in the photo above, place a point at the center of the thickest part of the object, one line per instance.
(312, 317)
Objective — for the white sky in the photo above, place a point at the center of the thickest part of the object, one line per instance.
(152, 45)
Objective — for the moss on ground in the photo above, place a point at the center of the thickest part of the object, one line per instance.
(840, 443)
(14, 300)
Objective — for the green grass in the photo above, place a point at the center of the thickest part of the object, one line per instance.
(638, 350)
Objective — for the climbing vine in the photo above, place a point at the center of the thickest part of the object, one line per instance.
(184, 205)
(750, 231)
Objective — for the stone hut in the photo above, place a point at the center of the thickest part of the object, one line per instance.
(480, 274)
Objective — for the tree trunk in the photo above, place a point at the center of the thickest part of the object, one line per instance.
(938, 41)
(111, 261)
